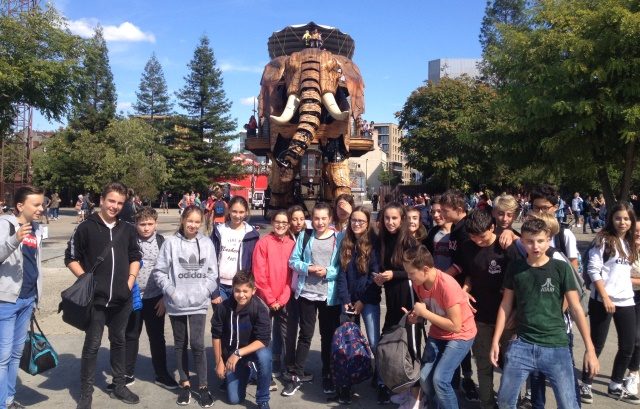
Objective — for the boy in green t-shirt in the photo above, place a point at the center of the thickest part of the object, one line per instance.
(536, 289)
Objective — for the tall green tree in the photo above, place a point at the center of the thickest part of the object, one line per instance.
(152, 96)
(39, 64)
(446, 126)
(570, 88)
(203, 96)
(96, 104)
(198, 142)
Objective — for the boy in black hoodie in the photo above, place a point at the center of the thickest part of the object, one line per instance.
(241, 331)
(109, 248)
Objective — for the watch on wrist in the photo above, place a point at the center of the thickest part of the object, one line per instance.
(237, 353)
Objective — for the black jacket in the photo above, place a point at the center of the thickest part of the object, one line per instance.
(88, 242)
(239, 329)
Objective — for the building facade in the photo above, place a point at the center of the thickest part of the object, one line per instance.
(389, 139)
(364, 170)
(452, 68)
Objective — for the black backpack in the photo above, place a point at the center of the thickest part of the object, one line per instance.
(218, 208)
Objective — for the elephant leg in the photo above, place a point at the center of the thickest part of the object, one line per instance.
(336, 177)
(281, 191)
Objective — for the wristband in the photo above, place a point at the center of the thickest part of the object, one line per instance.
(134, 275)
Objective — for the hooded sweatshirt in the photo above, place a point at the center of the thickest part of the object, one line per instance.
(271, 268)
(224, 240)
(111, 276)
(11, 261)
(187, 272)
(237, 329)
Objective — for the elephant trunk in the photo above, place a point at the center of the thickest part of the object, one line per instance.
(309, 110)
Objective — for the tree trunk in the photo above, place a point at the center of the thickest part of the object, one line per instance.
(629, 166)
(605, 183)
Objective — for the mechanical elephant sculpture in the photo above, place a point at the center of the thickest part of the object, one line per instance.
(311, 96)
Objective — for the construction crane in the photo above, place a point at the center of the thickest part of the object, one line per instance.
(16, 151)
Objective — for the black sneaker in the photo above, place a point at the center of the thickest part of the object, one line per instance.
(384, 396)
(16, 405)
(344, 395)
(292, 387)
(524, 403)
(84, 402)
(128, 381)
(204, 397)
(586, 396)
(263, 405)
(184, 396)
(305, 378)
(470, 390)
(166, 382)
(327, 386)
(125, 395)
(623, 395)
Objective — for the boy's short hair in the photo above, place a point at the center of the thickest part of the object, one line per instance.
(535, 226)
(546, 192)
(550, 220)
(478, 222)
(145, 213)
(322, 206)
(243, 278)
(453, 198)
(418, 257)
(114, 187)
(505, 203)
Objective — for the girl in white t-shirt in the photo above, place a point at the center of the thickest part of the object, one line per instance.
(234, 242)
(609, 268)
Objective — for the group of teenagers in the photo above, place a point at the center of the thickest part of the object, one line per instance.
(480, 287)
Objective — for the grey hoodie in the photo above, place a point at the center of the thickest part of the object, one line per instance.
(11, 259)
(187, 272)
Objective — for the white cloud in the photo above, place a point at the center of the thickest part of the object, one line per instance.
(231, 67)
(124, 106)
(248, 101)
(125, 32)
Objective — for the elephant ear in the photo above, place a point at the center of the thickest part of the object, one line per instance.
(271, 76)
(355, 84)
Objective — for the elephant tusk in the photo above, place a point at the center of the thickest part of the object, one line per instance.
(330, 103)
(288, 112)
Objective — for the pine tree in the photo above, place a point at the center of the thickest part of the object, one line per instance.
(198, 151)
(96, 103)
(204, 98)
(152, 95)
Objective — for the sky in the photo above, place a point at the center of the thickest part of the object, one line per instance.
(394, 40)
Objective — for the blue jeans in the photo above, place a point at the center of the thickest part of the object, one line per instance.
(14, 325)
(523, 358)
(371, 318)
(439, 361)
(237, 381)
(226, 291)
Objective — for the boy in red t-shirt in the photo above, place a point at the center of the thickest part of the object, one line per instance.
(452, 331)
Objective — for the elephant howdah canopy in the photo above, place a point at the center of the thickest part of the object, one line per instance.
(289, 40)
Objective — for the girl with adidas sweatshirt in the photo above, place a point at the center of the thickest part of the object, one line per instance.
(609, 268)
(187, 272)
(234, 242)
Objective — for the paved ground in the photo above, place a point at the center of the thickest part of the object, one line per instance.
(60, 387)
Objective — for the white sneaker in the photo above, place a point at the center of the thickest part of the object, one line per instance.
(631, 383)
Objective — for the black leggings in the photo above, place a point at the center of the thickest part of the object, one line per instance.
(624, 318)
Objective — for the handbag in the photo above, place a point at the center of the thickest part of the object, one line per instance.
(77, 300)
(38, 355)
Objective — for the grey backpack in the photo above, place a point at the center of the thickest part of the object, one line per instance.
(401, 371)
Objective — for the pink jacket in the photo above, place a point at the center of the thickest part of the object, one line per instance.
(271, 268)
